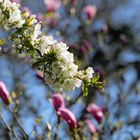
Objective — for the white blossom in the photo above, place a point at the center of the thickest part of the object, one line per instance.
(13, 18)
(45, 42)
(35, 32)
(61, 71)
(71, 84)
(89, 72)
(32, 20)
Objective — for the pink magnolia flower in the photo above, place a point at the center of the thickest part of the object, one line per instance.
(90, 11)
(96, 111)
(57, 101)
(68, 116)
(4, 94)
(91, 126)
(52, 5)
(17, 1)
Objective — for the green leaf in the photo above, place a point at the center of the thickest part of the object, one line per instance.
(85, 90)
(96, 83)
(95, 79)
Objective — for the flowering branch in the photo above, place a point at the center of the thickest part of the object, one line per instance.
(47, 54)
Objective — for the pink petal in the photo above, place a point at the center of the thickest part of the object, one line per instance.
(68, 116)
(96, 111)
(93, 108)
(99, 116)
(57, 101)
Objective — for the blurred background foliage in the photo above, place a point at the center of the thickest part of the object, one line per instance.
(109, 42)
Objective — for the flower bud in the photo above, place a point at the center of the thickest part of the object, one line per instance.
(68, 116)
(52, 5)
(57, 101)
(96, 112)
(90, 11)
(4, 94)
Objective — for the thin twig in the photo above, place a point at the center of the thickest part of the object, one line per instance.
(11, 131)
(19, 124)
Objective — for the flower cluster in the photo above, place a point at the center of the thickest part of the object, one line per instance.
(50, 56)
(86, 74)
(26, 38)
(10, 15)
(61, 70)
